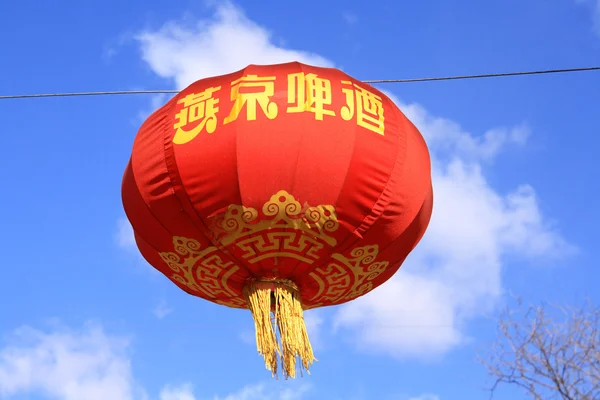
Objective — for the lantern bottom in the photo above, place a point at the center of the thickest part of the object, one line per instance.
(280, 298)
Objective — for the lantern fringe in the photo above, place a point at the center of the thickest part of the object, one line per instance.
(281, 298)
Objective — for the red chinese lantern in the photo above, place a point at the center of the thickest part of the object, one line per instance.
(278, 188)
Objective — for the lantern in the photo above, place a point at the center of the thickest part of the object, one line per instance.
(277, 189)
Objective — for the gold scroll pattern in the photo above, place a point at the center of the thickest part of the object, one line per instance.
(202, 270)
(285, 229)
(346, 278)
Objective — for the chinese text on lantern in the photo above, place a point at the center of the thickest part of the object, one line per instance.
(251, 90)
(366, 105)
(309, 93)
(306, 92)
(201, 107)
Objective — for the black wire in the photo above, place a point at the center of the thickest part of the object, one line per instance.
(173, 91)
(449, 78)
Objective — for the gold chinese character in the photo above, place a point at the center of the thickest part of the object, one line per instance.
(251, 96)
(196, 107)
(369, 108)
(309, 93)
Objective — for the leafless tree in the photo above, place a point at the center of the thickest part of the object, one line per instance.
(550, 352)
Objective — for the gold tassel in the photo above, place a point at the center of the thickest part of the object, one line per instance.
(282, 298)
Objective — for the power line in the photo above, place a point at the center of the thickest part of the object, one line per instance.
(450, 78)
(410, 80)
(77, 94)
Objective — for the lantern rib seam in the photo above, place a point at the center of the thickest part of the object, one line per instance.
(168, 150)
(392, 242)
(240, 263)
(350, 233)
(291, 274)
(239, 187)
(159, 221)
(399, 163)
(349, 242)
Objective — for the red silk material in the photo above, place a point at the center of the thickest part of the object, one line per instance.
(284, 171)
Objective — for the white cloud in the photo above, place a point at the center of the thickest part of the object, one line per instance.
(67, 364)
(226, 43)
(408, 316)
(447, 139)
(126, 241)
(162, 310)
(262, 392)
(455, 273)
(156, 101)
(595, 7)
(182, 392)
(350, 18)
(124, 235)
(314, 320)
(258, 391)
(425, 397)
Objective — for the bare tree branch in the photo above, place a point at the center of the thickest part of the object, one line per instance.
(550, 352)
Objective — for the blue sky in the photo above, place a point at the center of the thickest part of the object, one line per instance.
(515, 177)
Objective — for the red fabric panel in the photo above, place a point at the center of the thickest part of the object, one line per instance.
(275, 161)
